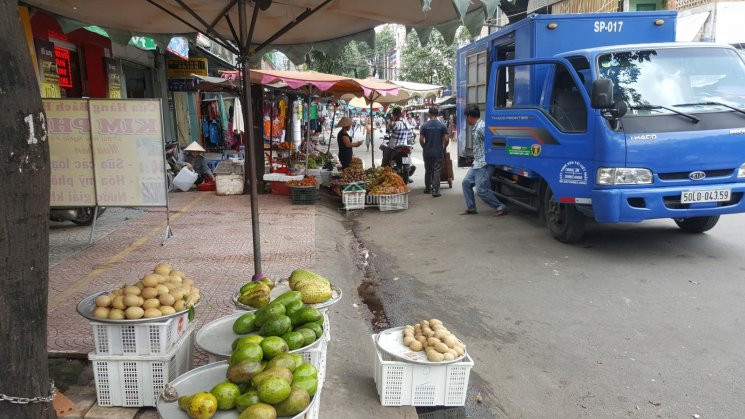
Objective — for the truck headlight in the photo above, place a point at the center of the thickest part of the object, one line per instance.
(627, 176)
(741, 171)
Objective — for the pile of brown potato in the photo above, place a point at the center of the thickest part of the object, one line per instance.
(432, 337)
(163, 292)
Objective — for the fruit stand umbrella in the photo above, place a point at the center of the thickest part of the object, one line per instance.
(361, 103)
(238, 26)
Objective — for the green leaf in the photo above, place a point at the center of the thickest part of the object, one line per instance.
(191, 313)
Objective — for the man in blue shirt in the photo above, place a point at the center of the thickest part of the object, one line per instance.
(480, 173)
(433, 139)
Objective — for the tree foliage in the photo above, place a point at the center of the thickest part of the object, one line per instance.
(357, 59)
(433, 63)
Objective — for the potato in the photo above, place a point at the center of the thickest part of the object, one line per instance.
(441, 334)
(101, 312)
(140, 285)
(448, 357)
(167, 299)
(432, 341)
(408, 340)
(176, 279)
(162, 289)
(435, 321)
(435, 356)
(429, 333)
(151, 280)
(424, 323)
(118, 302)
(179, 305)
(166, 310)
(133, 313)
(152, 312)
(438, 327)
(408, 332)
(116, 314)
(103, 301)
(450, 341)
(459, 350)
(149, 292)
(178, 293)
(452, 352)
(416, 346)
(151, 303)
(421, 339)
(161, 279)
(181, 274)
(131, 300)
(163, 269)
(441, 347)
(133, 290)
(118, 292)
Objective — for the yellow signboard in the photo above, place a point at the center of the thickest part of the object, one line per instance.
(128, 152)
(71, 160)
(177, 68)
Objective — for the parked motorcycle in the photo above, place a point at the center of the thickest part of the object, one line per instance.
(82, 216)
(401, 163)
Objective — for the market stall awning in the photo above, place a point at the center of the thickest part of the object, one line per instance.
(340, 22)
(361, 103)
(338, 85)
(421, 90)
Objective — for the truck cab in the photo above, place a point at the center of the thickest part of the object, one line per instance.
(585, 118)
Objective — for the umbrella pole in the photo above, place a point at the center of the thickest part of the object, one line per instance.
(248, 117)
(372, 135)
(331, 129)
(307, 135)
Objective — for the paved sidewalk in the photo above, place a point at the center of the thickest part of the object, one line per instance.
(211, 243)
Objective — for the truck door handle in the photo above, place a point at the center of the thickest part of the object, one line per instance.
(499, 142)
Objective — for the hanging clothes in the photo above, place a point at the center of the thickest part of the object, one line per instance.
(223, 113)
(214, 132)
(238, 123)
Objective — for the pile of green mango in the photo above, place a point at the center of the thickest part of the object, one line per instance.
(264, 381)
(286, 317)
(256, 293)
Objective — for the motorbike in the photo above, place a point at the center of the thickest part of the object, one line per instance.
(82, 216)
(400, 160)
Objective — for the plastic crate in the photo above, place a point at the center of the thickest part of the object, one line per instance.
(402, 383)
(153, 338)
(136, 381)
(301, 195)
(229, 184)
(393, 202)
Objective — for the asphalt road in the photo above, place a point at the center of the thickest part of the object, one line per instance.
(637, 320)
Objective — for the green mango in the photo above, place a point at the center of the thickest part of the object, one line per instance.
(296, 402)
(318, 330)
(276, 325)
(288, 297)
(305, 371)
(305, 315)
(309, 336)
(294, 340)
(244, 340)
(282, 360)
(293, 306)
(310, 384)
(249, 398)
(263, 314)
(244, 324)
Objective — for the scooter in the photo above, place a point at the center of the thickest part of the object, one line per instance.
(401, 163)
(82, 216)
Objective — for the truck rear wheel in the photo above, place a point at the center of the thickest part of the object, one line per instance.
(697, 224)
(565, 223)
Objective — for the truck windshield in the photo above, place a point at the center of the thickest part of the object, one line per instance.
(652, 79)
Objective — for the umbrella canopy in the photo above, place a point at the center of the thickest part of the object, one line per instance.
(361, 103)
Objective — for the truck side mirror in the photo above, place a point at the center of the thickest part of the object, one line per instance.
(602, 94)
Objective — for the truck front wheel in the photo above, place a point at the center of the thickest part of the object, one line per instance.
(565, 223)
(697, 224)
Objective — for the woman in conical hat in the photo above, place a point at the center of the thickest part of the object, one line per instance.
(194, 160)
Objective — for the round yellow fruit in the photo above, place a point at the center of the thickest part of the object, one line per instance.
(150, 292)
(163, 269)
(150, 280)
(179, 305)
(133, 313)
(133, 290)
(116, 314)
(202, 405)
(178, 293)
(167, 299)
(118, 292)
(175, 279)
(139, 285)
(166, 310)
(101, 312)
(162, 289)
(151, 303)
(118, 302)
(188, 281)
(131, 300)
(152, 312)
(103, 301)
(178, 273)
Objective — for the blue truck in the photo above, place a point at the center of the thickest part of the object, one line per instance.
(605, 116)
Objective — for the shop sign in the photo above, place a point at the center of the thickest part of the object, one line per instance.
(180, 69)
(115, 85)
(179, 46)
(64, 67)
(181, 85)
(142, 42)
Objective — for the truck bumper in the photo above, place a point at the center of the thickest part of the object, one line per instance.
(639, 204)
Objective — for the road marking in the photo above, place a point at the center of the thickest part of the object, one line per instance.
(55, 301)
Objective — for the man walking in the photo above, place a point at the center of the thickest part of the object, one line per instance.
(433, 139)
(479, 175)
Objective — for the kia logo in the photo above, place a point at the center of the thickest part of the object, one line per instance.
(698, 175)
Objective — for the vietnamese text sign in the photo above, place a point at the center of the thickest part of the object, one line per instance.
(128, 152)
(180, 69)
(70, 156)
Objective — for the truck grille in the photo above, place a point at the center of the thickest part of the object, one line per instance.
(673, 202)
(684, 175)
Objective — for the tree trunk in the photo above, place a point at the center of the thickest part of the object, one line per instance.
(24, 223)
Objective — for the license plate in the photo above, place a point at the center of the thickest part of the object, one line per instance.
(406, 160)
(716, 195)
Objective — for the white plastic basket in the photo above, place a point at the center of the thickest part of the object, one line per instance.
(152, 338)
(402, 383)
(353, 200)
(393, 202)
(136, 381)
